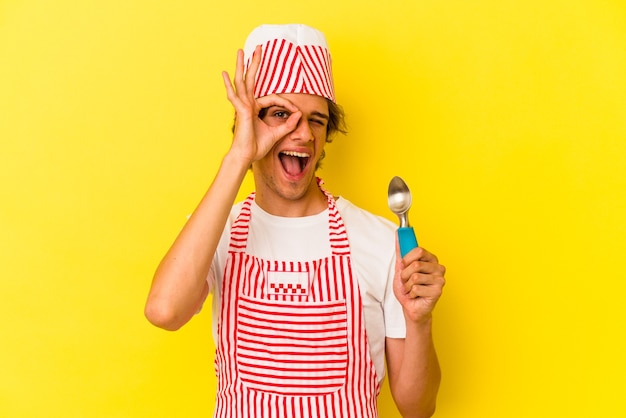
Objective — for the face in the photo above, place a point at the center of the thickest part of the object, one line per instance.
(287, 173)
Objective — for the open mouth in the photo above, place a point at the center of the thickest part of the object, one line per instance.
(294, 162)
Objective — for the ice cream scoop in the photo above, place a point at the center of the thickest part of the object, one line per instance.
(399, 201)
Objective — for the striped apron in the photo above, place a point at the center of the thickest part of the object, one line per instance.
(291, 335)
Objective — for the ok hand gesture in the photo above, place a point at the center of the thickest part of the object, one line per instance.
(253, 138)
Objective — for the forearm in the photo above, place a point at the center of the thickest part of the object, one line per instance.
(179, 284)
(415, 379)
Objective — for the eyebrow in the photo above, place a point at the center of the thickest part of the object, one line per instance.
(320, 115)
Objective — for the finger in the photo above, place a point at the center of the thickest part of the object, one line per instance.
(424, 284)
(250, 74)
(420, 253)
(276, 100)
(230, 91)
(421, 279)
(428, 256)
(239, 74)
(413, 255)
(240, 107)
(422, 267)
(419, 291)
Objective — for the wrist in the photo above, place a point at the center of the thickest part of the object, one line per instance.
(419, 324)
(236, 160)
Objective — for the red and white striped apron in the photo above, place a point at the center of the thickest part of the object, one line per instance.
(291, 335)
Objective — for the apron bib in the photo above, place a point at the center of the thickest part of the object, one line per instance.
(291, 335)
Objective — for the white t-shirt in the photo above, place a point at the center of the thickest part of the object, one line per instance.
(372, 246)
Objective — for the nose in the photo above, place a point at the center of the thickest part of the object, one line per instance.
(303, 131)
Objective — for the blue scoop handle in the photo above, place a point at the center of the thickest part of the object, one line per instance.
(406, 237)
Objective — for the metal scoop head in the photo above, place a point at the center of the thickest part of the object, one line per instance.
(399, 200)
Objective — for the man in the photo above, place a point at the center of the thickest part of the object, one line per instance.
(310, 294)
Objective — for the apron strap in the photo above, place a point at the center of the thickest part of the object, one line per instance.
(337, 229)
(239, 229)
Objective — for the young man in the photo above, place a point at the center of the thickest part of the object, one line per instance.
(310, 294)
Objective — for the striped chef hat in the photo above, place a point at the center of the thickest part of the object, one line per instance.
(295, 60)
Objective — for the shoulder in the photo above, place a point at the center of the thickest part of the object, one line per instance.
(363, 220)
(371, 236)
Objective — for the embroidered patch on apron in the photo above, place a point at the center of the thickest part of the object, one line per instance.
(294, 283)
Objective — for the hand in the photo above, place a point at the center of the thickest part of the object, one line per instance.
(253, 138)
(418, 283)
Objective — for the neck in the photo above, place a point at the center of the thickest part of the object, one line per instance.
(311, 202)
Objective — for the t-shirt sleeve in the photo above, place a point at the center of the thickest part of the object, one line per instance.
(395, 325)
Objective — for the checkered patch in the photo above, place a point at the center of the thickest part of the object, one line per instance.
(295, 283)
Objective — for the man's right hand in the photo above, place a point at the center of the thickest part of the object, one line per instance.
(253, 138)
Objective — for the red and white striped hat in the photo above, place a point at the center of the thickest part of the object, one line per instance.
(295, 60)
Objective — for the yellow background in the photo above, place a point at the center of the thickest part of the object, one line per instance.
(506, 118)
